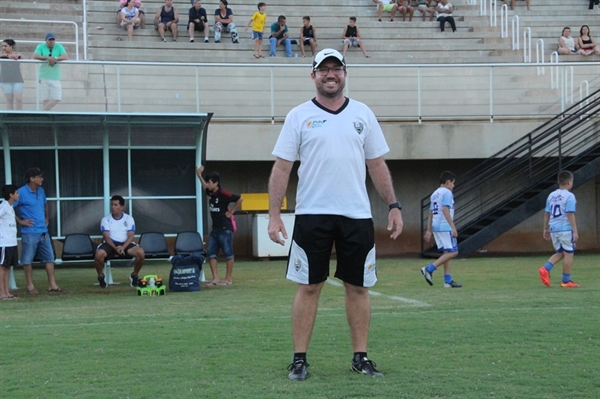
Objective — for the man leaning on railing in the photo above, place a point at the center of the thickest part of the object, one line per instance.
(50, 86)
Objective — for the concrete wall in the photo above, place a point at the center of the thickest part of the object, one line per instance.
(414, 179)
(229, 141)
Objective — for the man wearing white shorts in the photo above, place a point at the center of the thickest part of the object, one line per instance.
(51, 53)
(560, 227)
(441, 224)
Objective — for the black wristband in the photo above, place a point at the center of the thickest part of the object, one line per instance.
(395, 205)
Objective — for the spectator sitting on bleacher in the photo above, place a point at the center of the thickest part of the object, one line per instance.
(224, 20)
(118, 230)
(166, 19)
(308, 35)
(137, 4)
(512, 4)
(279, 35)
(404, 7)
(351, 37)
(425, 7)
(130, 18)
(566, 43)
(586, 42)
(387, 6)
(444, 14)
(197, 21)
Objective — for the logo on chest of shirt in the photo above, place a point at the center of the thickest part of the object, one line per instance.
(315, 124)
(359, 127)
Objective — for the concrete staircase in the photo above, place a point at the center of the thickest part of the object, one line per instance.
(230, 90)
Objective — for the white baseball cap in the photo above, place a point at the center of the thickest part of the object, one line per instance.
(327, 53)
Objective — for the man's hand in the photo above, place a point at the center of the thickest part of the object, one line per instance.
(26, 222)
(395, 223)
(199, 170)
(276, 229)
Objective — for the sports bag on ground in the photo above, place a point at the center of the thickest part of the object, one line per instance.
(185, 273)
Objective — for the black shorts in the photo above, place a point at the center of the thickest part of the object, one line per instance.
(197, 27)
(9, 256)
(111, 253)
(314, 238)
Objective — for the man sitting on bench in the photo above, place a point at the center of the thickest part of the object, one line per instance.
(118, 230)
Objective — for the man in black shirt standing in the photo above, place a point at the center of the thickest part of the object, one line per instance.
(221, 235)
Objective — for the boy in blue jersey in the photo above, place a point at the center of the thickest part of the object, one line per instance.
(560, 226)
(440, 222)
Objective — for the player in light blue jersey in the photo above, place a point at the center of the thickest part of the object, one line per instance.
(441, 224)
(560, 226)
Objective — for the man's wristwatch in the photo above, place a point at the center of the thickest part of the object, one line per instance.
(395, 205)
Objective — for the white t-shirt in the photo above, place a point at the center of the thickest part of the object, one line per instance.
(445, 8)
(439, 199)
(332, 148)
(569, 42)
(118, 228)
(8, 225)
(559, 203)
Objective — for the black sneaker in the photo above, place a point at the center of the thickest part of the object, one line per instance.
(133, 280)
(191, 40)
(298, 370)
(452, 284)
(366, 366)
(427, 275)
(206, 40)
(102, 281)
(217, 41)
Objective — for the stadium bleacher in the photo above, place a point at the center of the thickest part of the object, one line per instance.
(387, 42)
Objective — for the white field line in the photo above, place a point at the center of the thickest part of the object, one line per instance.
(393, 298)
(340, 313)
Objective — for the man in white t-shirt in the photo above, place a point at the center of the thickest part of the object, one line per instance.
(118, 230)
(8, 238)
(336, 139)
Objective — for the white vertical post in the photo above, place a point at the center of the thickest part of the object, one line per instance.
(419, 94)
(554, 70)
(493, 13)
(515, 32)
(539, 49)
(504, 21)
(491, 95)
(527, 44)
(482, 8)
(12, 284)
(587, 93)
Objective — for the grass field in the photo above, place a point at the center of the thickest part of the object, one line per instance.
(503, 335)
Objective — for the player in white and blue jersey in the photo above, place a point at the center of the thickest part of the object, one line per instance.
(560, 226)
(440, 224)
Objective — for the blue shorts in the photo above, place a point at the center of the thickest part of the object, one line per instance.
(36, 242)
(257, 35)
(220, 239)
(10, 88)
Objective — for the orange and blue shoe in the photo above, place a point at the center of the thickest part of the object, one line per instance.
(544, 276)
(570, 284)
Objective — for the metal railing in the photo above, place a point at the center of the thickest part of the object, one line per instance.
(258, 92)
(39, 21)
(535, 157)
